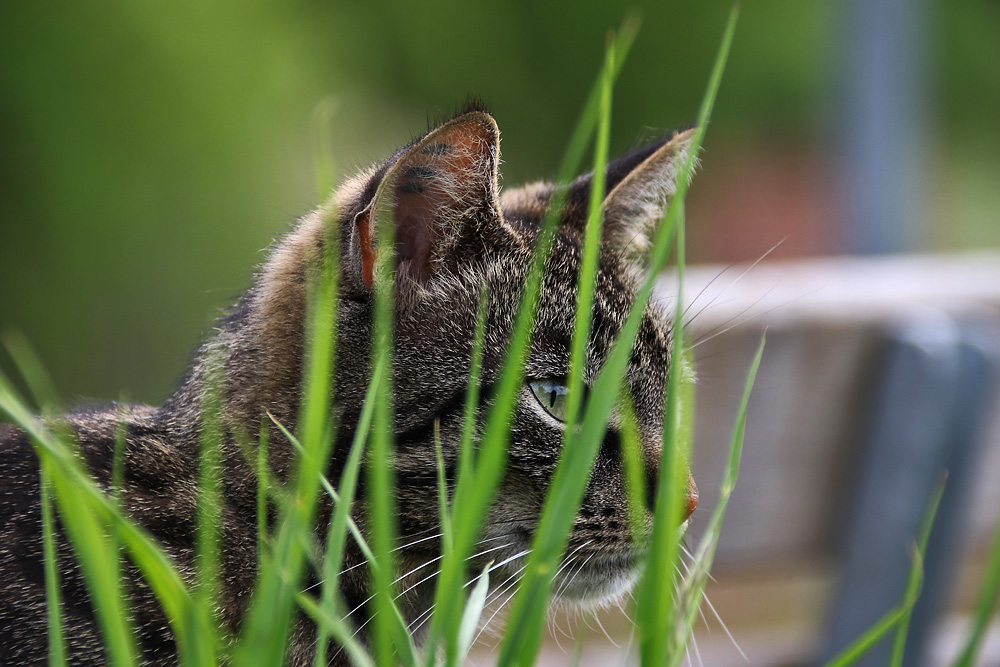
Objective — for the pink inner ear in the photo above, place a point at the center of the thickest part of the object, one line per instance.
(415, 232)
(364, 226)
(437, 185)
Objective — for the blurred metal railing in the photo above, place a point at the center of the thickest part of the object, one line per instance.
(926, 419)
(878, 373)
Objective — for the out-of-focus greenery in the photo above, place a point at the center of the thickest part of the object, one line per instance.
(149, 151)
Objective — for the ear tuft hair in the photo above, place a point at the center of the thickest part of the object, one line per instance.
(474, 104)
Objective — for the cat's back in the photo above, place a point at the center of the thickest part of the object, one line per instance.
(92, 434)
(23, 605)
(23, 626)
(20, 530)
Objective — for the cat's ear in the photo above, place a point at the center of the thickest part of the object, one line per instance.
(441, 187)
(640, 187)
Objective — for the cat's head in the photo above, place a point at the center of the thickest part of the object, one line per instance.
(457, 234)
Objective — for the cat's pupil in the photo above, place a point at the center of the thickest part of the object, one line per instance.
(551, 395)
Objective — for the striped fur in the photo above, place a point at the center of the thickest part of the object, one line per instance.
(456, 235)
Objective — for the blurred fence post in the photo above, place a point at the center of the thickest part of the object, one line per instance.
(881, 125)
(927, 414)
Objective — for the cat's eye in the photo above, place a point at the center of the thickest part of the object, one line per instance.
(552, 395)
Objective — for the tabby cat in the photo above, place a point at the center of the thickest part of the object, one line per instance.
(456, 234)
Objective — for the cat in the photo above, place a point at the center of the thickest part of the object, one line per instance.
(456, 233)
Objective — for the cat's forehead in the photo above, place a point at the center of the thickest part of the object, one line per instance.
(615, 289)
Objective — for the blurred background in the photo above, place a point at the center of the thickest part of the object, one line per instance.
(150, 152)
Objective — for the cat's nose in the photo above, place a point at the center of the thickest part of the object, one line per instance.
(691, 498)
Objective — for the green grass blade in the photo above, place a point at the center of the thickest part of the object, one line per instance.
(83, 498)
(118, 457)
(650, 612)
(867, 641)
(656, 603)
(275, 591)
(399, 635)
(325, 483)
(464, 469)
(43, 392)
(265, 629)
(191, 628)
(118, 487)
(465, 452)
(593, 229)
(475, 492)
(334, 627)
(444, 514)
(88, 536)
(578, 643)
(473, 612)
(95, 549)
(336, 534)
(53, 596)
(923, 534)
(472, 395)
(602, 394)
(606, 387)
(341, 520)
(661, 250)
(28, 364)
(635, 468)
(985, 605)
(705, 550)
(900, 615)
(569, 481)
(208, 534)
(322, 147)
(380, 490)
(262, 476)
(693, 586)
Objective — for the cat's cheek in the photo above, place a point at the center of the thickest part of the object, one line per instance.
(599, 584)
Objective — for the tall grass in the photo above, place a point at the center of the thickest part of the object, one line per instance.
(667, 603)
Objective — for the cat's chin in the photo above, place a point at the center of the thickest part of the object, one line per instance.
(604, 579)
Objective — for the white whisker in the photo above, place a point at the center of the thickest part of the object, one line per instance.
(554, 630)
(418, 622)
(500, 592)
(631, 641)
(697, 653)
(728, 634)
(576, 572)
(567, 560)
(740, 277)
(413, 586)
(597, 620)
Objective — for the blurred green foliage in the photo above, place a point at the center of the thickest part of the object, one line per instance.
(150, 150)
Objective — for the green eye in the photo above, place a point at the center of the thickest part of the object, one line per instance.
(552, 395)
